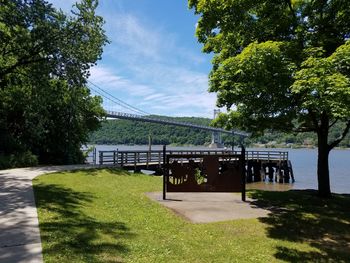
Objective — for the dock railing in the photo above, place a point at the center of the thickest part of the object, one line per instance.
(146, 158)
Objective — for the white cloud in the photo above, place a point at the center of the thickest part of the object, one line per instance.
(154, 97)
(134, 39)
(185, 96)
(127, 31)
(108, 80)
(148, 67)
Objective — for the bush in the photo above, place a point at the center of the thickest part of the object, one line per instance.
(24, 159)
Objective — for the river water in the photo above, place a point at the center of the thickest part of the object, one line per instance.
(304, 163)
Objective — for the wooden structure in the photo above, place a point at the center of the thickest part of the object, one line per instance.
(260, 165)
(204, 173)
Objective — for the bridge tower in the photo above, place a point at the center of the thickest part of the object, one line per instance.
(216, 140)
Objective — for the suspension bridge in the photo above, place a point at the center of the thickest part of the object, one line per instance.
(130, 112)
(259, 165)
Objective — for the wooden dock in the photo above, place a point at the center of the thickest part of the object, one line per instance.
(260, 165)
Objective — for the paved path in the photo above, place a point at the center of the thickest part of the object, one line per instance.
(19, 226)
(209, 207)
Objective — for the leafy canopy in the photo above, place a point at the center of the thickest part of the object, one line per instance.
(45, 57)
(278, 64)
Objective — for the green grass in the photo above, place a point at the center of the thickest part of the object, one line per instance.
(104, 216)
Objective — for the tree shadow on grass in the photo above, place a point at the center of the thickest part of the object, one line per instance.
(301, 216)
(69, 234)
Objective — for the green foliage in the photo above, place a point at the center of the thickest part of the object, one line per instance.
(132, 132)
(24, 159)
(305, 139)
(251, 80)
(45, 106)
(199, 177)
(105, 216)
(323, 86)
(280, 65)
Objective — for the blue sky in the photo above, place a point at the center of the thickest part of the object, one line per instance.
(154, 61)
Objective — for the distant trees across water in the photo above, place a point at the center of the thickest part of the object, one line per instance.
(133, 132)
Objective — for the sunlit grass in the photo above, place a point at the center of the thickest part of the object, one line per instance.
(104, 216)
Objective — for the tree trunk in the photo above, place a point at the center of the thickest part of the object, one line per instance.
(324, 189)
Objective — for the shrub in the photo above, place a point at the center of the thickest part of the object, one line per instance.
(23, 159)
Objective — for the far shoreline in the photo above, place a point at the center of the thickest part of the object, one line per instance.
(228, 147)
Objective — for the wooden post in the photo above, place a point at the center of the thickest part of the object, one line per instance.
(147, 156)
(113, 157)
(101, 158)
(243, 173)
(135, 162)
(94, 156)
(149, 144)
(165, 173)
(233, 141)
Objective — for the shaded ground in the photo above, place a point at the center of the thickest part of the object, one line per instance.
(19, 227)
(104, 216)
(300, 216)
(70, 230)
(77, 232)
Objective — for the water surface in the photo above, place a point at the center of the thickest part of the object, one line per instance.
(304, 163)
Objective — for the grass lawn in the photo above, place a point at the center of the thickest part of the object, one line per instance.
(104, 216)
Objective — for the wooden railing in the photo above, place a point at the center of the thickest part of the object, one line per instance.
(267, 155)
(135, 158)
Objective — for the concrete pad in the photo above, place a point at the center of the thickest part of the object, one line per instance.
(209, 207)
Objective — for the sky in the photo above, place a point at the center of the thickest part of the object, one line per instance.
(154, 61)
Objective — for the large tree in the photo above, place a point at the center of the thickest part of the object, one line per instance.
(45, 57)
(280, 65)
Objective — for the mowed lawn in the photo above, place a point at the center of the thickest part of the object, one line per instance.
(105, 216)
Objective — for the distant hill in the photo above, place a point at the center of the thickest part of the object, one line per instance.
(133, 132)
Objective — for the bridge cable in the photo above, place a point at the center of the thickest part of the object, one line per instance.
(114, 99)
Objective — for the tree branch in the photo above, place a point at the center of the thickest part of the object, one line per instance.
(304, 129)
(333, 123)
(341, 137)
(289, 3)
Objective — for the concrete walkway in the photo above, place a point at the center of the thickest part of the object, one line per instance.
(209, 207)
(19, 226)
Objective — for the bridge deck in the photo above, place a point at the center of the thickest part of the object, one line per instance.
(152, 119)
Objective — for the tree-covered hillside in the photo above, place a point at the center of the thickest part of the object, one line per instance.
(133, 132)
(308, 139)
